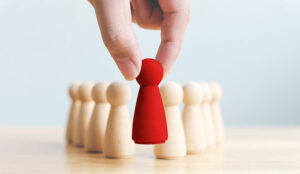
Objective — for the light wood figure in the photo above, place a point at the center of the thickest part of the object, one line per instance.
(174, 147)
(216, 112)
(86, 109)
(192, 118)
(74, 111)
(117, 140)
(207, 115)
(98, 121)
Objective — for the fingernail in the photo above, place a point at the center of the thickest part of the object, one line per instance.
(127, 68)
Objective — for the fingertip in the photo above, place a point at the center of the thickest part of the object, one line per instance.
(166, 69)
(167, 54)
(128, 68)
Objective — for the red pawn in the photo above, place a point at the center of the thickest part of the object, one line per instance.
(149, 122)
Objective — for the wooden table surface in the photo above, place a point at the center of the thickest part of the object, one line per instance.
(247, 150)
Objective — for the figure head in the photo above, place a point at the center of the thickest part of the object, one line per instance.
(85, 91)
(207, 92)
(99, 92)
(151, 72)
(216, 91)
(118, 93)
(73, 90)
(171, 94)
(192, 93)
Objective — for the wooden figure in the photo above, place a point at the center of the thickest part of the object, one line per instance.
(192, 118)
(174, 147)
(86, 109)
(74, 111)
(209, 125)
(98, 121)
(117, 140)
(216, 112)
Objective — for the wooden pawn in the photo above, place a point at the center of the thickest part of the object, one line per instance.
(117, 140)
(86, 109)
(216, 112)
(174, 147)
(192, 118)
(98, 121)
(74, 111)
(207, 115)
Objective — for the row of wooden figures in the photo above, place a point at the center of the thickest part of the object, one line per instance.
(99, 119)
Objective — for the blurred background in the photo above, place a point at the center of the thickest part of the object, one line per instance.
(250, 47)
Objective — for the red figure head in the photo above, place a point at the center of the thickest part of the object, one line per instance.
(151, 73)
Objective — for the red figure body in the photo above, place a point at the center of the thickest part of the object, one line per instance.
(149, 122)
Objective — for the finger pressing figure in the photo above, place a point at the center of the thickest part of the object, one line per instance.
(115, 23)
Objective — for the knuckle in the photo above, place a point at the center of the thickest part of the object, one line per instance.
(119, 44)
(115, 40)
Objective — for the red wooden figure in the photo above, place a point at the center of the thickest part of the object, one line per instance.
(149, 122)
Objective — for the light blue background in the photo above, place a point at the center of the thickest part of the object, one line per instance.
(251, 47)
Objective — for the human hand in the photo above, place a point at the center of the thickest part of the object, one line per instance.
(115, 18)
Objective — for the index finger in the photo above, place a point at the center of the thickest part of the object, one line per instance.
(175, 18)
(114, 19)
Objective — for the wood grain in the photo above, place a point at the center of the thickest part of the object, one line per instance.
(246, 150)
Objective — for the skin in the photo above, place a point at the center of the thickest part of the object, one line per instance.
(115, 19)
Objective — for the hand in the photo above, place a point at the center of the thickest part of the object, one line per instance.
(115, 18)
